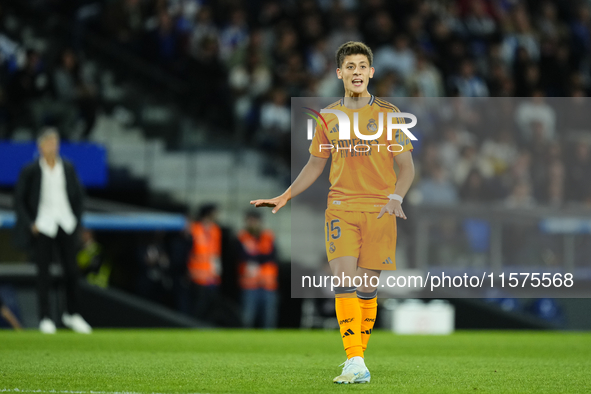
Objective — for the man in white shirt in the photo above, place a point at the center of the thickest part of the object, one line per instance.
(49, 203)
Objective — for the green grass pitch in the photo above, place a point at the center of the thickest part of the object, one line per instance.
(234, 361)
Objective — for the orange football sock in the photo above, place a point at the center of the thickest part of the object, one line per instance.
(349, 318)
(368, 303)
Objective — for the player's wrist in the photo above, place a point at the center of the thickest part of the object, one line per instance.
(287, 195)
(396, 197)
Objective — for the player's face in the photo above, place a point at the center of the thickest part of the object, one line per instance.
(355, 73)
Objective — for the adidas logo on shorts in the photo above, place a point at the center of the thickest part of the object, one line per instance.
(387, 261)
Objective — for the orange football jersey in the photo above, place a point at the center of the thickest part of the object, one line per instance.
(362, 172)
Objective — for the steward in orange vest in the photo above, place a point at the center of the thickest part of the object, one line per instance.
(258, 273)
(204, 265)
(205, 268)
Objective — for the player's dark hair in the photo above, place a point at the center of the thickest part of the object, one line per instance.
(353, 48)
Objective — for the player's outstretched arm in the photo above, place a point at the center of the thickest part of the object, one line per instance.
(405, 177)
(307, 177)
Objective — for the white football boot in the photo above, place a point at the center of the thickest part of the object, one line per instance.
(354, 371)
(46, 326)
(76, 323)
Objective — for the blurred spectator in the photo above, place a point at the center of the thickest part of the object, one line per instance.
(185, 12)
(539, 143)
(549, 23)
(579, 169)
(311, 29)
(258, 273)
(379, 29)
(535, 112)
(555, 187)
(581, 33)
(74, 90)
(398, 58)
(480, 26)
(521, 196)
(91, 261)
(204, 29)
(233, 35)
(554, 68)
(154, 281)
(528, 80)
(519, 34)
(204, 265)
(181, 245)
(345, 30)
(286, 44)
(390, 86)
(452, 19)
(497, 78)
(275, 114)
(475, 188)
(468, 161)
(437, 188)
(318, 58)
(449, 50)
(275, 133)
(454, 139)
(124, 21)
(467, 82)
(209, 79)
(292, 74)
(249, 81)
(575, 112)
(164, 44)
(520, 172)
(500, 151)
(29, 92)
(256, 44)
(426, 78)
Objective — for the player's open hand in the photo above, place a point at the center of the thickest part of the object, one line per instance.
(276, 203)
(393, 207)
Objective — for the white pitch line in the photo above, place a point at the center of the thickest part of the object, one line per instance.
(15, 390)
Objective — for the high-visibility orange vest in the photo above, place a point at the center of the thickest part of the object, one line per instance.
(258, 275)
(205, 266)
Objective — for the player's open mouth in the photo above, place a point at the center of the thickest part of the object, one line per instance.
(357, 82)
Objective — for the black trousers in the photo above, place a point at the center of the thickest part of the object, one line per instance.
(45, 250)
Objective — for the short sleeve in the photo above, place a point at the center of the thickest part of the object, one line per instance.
(318, 140)
(400, 138)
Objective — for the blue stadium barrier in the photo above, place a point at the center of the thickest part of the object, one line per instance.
(565, 226)
(89, 159)
(117, 222)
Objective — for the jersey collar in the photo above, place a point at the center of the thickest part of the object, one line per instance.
(371, 100)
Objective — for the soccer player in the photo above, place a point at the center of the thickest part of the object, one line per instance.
(360, 238)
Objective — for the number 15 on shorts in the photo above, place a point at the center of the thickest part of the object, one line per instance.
(333, 231)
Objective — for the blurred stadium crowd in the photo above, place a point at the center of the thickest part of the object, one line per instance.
(248, 57)
(252, 56)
